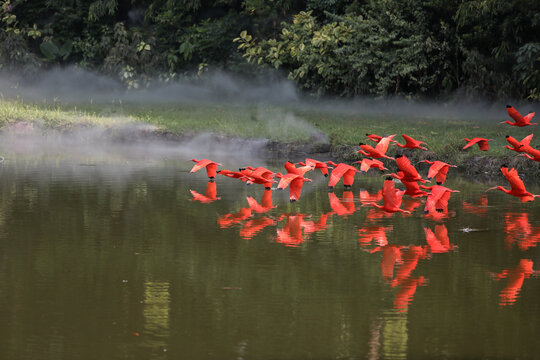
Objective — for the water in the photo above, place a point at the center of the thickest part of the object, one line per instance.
(119, 261)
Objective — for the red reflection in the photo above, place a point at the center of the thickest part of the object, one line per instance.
(373, 233)
(264, 206)
(519, 230)
(366, 197)
(391, 257)
(406, 292)
(438, 241)
(291, 232)
(314, 226)
(342, 207)
(209, 196)
(516, 276)
(480, 208)
(254, 226)
(410, 261)
(228, 220)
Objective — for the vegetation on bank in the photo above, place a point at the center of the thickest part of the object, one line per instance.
(290, 129)
(413, 48)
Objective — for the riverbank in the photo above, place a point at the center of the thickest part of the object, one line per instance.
(283, 132)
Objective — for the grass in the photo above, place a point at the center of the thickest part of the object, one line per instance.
(284, 124)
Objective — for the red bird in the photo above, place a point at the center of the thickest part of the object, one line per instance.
(517, 188)
(438, 169)
(295, 182)
(407, 171)
(291, 169)
(344, 171)
(437, 200)
(366, 164)
(210, 166)
(412, 189)
(392, 197)
(316, 164)
(531, 153)
(379, 151)
(520, 146)
(411, 143)
(482, 143)
(516, 116)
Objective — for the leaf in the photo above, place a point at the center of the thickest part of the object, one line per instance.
(49, 50)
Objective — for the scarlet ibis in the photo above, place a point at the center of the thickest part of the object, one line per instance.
(366, 164)
(210, 166)
(291, 169)
(295, 182)
(392, 198)
(437, 199)
(531, 153)
(482, 143)
(316, 164)
(344, 171)
(366, 197)
(379, 151)
(291, 232)
(438, 169)
(373, 137)
(520, 146)
(407, 171)
(412, 189)
(209, 196)
(517, 188)
(519, 120)
(411, 143)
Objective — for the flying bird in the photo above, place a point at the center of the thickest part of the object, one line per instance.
(482, 143)
(411, 143)
(316, 164)
(437, 199)
(292, 169)
(366, 164)
(531, 153)
(344, 171)
(518, 146)
(519, 120)
(210, 166)
(438, 170)
(380, 149)
(392, 197)
(517, 188)
(407, 171)
(295, 182)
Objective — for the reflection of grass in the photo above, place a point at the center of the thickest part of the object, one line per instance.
(444, 136)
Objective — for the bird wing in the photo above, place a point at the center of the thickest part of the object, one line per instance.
(201, 164)
(483, 144)
(382, 145)
(390, 196)
(514, 114)
(526, 140)
(435, 168)
(365, 165)
(336, 174)
(528, 117)
(513, 178)
(286, 180)
(410, 141)
(471, 142)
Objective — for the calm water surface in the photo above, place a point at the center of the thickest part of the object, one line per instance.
(116, 261)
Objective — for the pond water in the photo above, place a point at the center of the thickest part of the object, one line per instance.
(147, 261)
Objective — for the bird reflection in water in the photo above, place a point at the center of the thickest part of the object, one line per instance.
(209, 196)
(438, 241)
(342, 207)
(480, 208)
(516, 277)
(519, 231)
(391, 255)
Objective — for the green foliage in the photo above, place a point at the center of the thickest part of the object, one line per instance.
(387, 50)
(53, 49)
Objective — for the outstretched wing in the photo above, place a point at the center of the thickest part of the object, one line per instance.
(201, 164)
(513, 178)
(382, 145)
(336, 174)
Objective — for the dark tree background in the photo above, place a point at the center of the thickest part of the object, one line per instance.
(415, 48)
